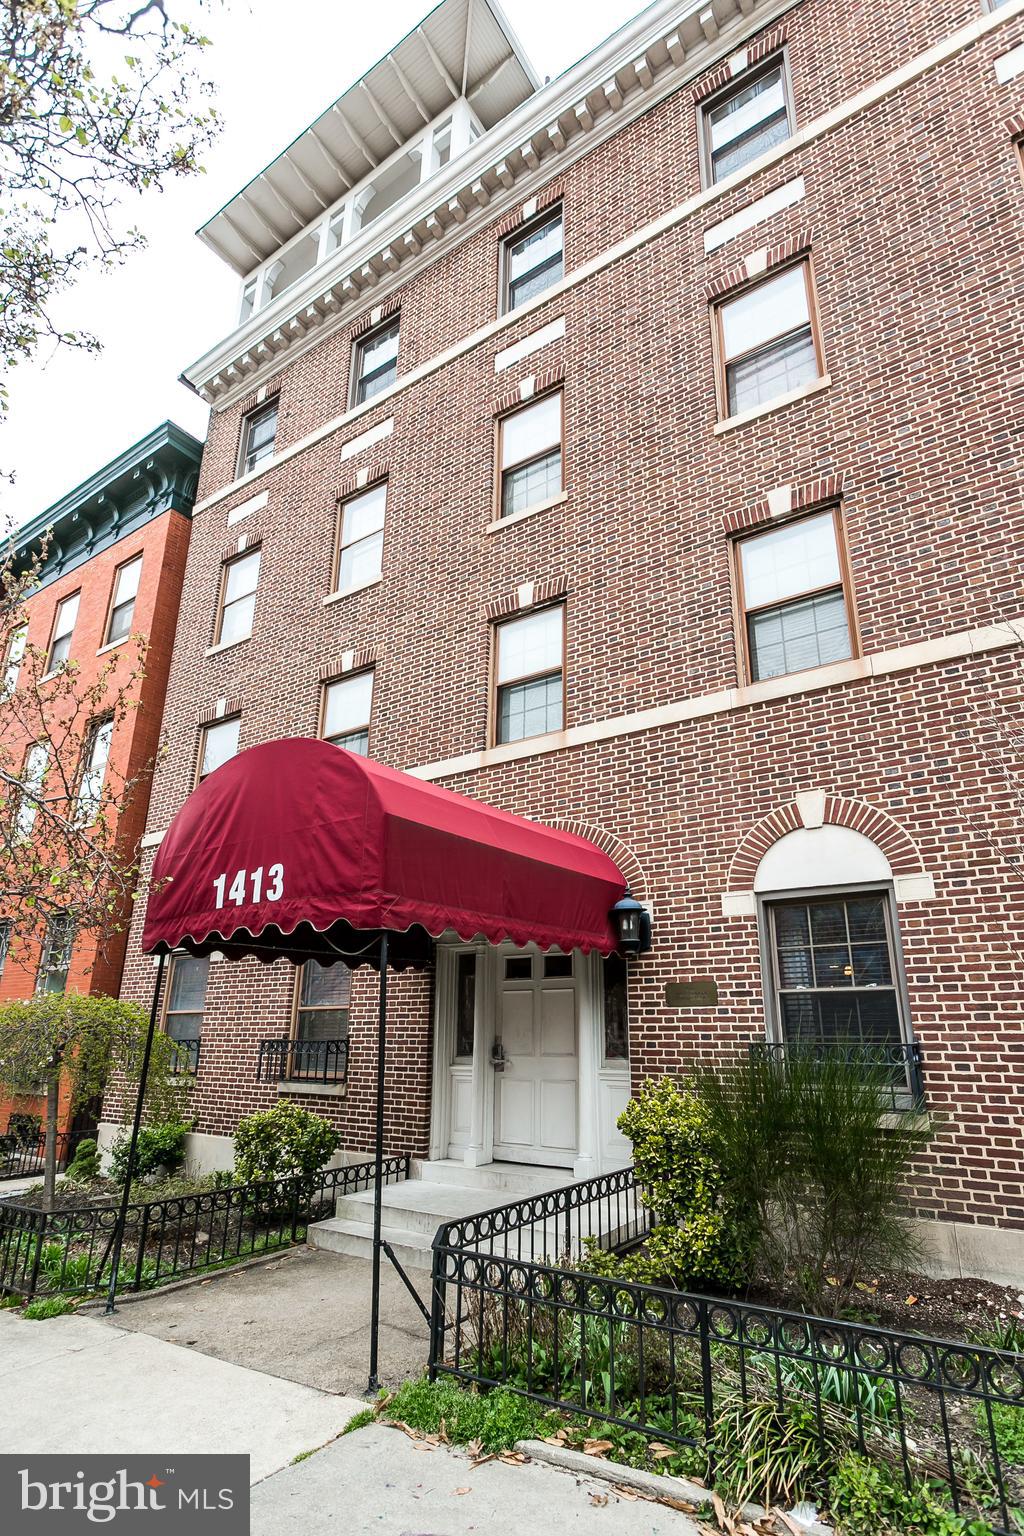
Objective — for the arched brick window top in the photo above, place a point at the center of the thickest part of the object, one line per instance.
(821, 839)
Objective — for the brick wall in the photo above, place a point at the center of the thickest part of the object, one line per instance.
(913, 216)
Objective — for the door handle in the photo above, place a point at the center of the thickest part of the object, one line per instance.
(499, 1061)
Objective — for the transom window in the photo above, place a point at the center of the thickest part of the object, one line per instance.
(529, 671)
(219, 744)
(746, 120)
(533, 260)
(376, 362)
(361, 538)
(347, 705)
(94, 770)
(530, 455)
(186, 997)
(768, 341)
(239, 581)
(15, 656)
(55, 962)
(259, 429)
(793, 597)
(122, 607)
(63, 629)
(834, 973)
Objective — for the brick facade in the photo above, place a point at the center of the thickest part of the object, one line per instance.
(912, 214)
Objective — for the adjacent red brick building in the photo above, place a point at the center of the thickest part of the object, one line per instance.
(113, 557)
(640, 452)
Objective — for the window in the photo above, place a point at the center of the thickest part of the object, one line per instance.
(186, 997)
(746, 120)
(239, 580)
(259, 429)
(465, 1005)
(616, 1024)
(529, 675)
(361, 539)
(56, 957)
(793, 597)
(532, 260)
(94, 769)
(63, 629)
(833, 970)
(122, 607)
(15, 654)
(768, 341)
(530, 455)
(376, 362)
(556, 966)
(323, 1001)
(5, 941)
(218, 746)
(36, 762)
(347, 705)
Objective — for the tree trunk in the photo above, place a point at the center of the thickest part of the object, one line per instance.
(50, 1152)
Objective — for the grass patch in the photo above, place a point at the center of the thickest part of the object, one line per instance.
(303, 1456)
(360, 1420)
(48, 1306)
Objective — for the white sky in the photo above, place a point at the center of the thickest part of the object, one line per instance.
(71, 413)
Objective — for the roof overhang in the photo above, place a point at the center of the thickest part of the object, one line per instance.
(462, 48)
(303, 850)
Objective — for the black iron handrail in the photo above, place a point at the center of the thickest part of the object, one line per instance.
(894, 1064)
(316, 1061)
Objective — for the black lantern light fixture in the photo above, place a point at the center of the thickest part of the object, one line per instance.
(633, 923)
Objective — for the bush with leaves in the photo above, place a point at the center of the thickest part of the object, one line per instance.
(868, 1498)
(84, 1167)
(703, 1236)
(280, 1142)
(160, 1150)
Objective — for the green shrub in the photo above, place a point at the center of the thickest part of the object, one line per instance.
(160, 1149)
(868, 1499)
(773, 1452)
(280, 1142)
(84, 1167)
(1008, 1426)
(497, 1419)
(47, 1306)
(703, 1236)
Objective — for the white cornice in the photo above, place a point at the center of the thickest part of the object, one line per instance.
(648, 59)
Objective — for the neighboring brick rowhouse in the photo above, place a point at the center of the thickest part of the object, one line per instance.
(913, 207)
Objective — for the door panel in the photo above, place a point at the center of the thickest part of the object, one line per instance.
(558, 1022)
(517, 1023)
(536, 1092)
(558, 1116)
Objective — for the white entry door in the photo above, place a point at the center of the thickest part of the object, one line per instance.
(536, 1057)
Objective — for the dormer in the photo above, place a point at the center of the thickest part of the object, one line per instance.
(416, 111)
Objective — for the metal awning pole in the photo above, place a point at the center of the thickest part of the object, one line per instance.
(122, 1215)
(373, 1384)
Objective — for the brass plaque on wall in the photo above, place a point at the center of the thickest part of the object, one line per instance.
(702, 993)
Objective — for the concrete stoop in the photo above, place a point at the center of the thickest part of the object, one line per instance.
(413, 1210)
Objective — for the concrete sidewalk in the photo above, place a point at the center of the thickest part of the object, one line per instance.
(379, 1480)
(79, 1384)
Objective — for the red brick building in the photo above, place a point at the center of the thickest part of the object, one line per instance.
(113, 559)
(640, 452)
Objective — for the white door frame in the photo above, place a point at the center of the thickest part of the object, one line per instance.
(478, 1149)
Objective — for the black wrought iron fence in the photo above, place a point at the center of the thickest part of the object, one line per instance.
(70, 1251)
(22, 1155)
(514, 1305)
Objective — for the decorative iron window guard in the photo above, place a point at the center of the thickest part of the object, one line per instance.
(315, 1061)
(186, 1059)
(896, 1064)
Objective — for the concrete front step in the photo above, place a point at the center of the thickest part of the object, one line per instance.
(412, 1249)
(509, 1181)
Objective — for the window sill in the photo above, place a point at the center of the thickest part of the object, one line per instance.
(360, 586)
(321, 1090)
(779, 402)
(112, 645)
(520, 517)
(229, 645)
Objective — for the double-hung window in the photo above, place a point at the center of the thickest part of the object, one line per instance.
(361, 538)
(56, 957)
(185, 1006)
(122, 606)
(63, 629)
(532, 260)
(793, 597)
(238, 598)
(745, 120)
(259, 429)
(94, 771)
(346, 712)
(375, 366)
(218, 745)
(529, 672)
(37, 761)
(768, 341)
(319, 1044)
(15, 656)
(530, 455)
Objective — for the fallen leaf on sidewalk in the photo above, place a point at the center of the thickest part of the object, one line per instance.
(463, 1490)
(626, 1493)
(512, 1458)
(680, 1504)
(480, 1460)
(599, 1499)
(596, 1447)
(473, 1447)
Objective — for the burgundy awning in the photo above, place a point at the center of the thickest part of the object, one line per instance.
(300, 848)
